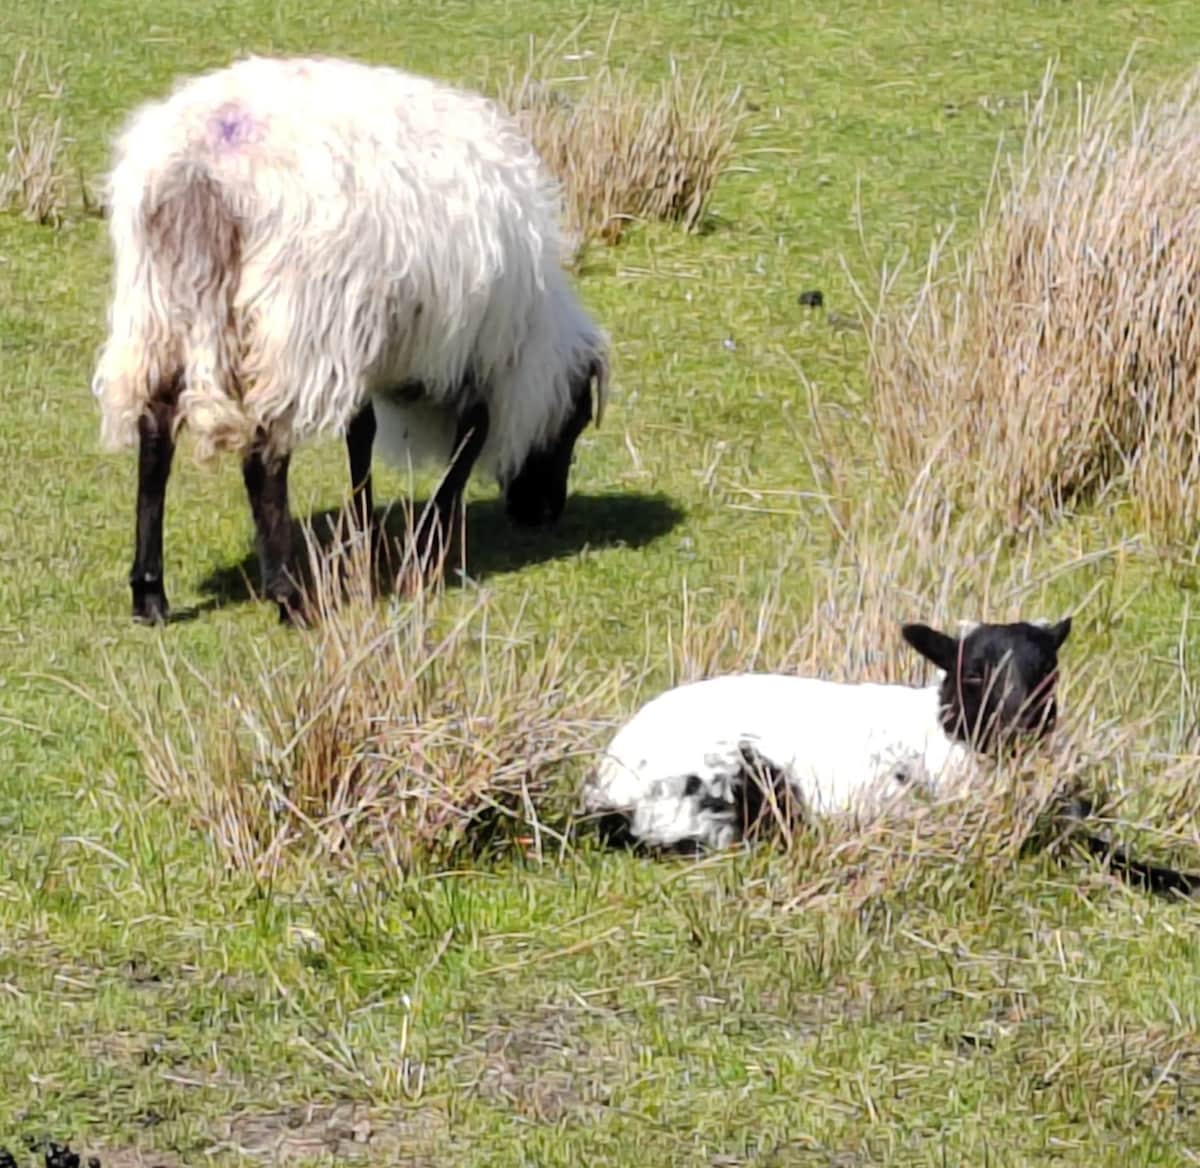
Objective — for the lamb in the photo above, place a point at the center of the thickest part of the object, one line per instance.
(311, 246)
(693, 766)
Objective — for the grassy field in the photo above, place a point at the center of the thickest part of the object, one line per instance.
(160, 1006)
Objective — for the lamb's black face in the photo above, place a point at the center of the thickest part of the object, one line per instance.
(537, 494)
(999, 681)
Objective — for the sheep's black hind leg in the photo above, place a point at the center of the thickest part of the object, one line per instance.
(437, 524)
(360, 439)
(765, 801)
(267, 488)
(156, 449)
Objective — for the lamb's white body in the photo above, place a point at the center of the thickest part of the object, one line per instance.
(845, 749)
(392, 231)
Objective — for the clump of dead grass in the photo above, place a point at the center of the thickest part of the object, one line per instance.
(1059, 355)
(624, 151)
(398, 733)
(32, 178)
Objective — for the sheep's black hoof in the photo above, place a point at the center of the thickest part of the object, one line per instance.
(378, 559)
(149, 602)
(431, 545)
(614, 830)
(291, 612)
(382, 552)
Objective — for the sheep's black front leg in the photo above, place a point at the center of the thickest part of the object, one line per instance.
(267, 488)
(433, 533)
(360, 439)
(156, 449)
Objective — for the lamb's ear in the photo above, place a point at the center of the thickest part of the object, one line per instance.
(1060, 631)
(932, 645)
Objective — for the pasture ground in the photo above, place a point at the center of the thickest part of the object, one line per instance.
(158, 1008)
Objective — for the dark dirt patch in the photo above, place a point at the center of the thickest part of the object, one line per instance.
(39, 965)
(345, 1131)
(133, 1158)
(804, 1013)
(545, 1064)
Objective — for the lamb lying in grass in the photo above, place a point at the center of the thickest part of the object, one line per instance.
(694, 765)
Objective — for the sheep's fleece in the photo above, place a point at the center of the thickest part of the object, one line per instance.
(391, 232)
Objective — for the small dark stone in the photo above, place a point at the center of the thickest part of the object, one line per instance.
(61, 1156)
(813, 298)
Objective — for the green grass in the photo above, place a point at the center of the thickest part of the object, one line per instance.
(594, 1008)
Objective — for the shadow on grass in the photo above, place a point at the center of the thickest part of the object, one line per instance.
(494, 544)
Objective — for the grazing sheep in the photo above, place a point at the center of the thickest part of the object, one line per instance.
(303, 244)
(694, 765)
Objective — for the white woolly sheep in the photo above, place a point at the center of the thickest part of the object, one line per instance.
(694, 765)
(301, 243)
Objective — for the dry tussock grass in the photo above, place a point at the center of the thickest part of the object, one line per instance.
(394, 733)
(1060, 354)
(32, 181)
(624, 151)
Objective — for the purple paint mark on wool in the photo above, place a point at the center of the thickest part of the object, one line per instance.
(232, 127)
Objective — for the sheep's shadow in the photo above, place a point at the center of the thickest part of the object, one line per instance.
(494, 545)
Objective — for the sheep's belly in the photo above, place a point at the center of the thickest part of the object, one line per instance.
(413, 431)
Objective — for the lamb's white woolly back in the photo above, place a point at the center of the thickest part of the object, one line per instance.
(844, 748)
(392, 229)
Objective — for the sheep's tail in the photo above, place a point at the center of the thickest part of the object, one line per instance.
(178, 253)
